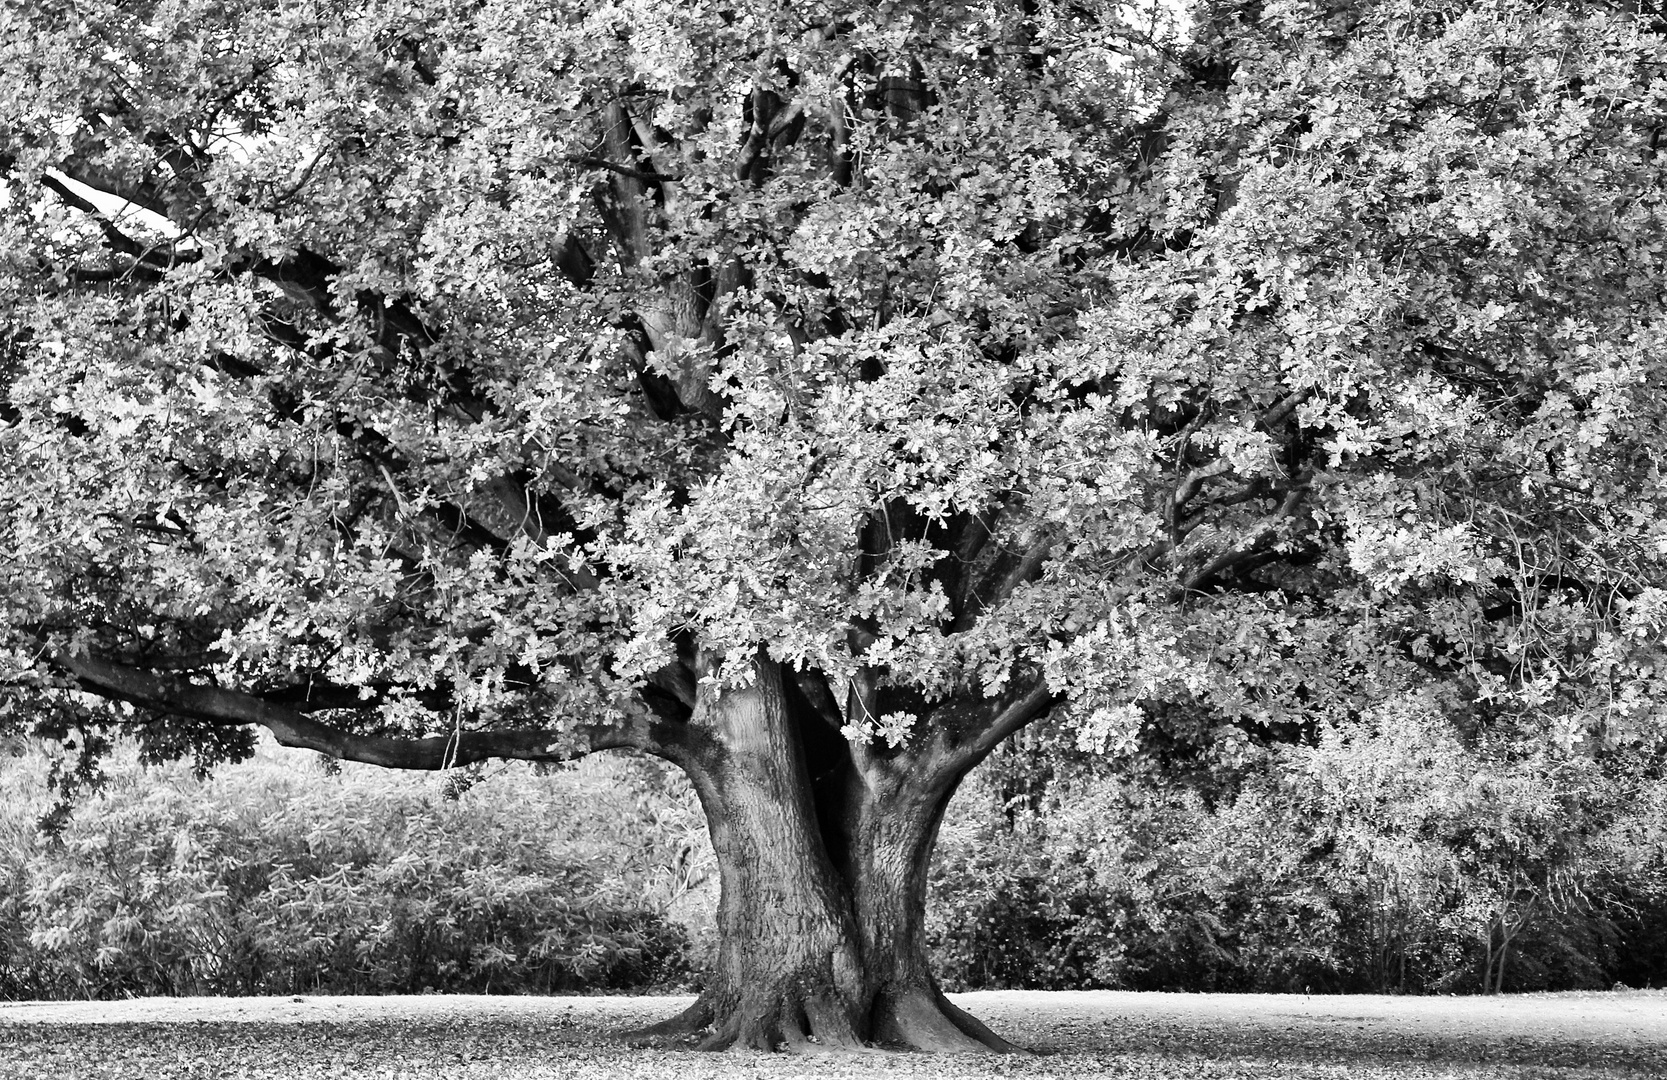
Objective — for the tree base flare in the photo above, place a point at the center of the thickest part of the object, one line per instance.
(920, 1019)
(685, 1029)
(805, 1022)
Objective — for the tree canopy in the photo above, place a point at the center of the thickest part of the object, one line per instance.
(850, 384)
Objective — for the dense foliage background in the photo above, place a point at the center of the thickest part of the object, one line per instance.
(1400, 861)
(281, 877)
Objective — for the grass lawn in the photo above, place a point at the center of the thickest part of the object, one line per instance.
(1187, 1037)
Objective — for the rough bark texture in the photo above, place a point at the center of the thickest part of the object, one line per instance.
(789, 963)
(821, 918)
(896, 831)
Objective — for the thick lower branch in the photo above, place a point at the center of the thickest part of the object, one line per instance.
(1005, 716)
(218, 705)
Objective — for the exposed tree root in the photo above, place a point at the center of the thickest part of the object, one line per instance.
(921, 1018)
(795, 1021)
(806, 1023)
(686, 1027)
(817, 1022)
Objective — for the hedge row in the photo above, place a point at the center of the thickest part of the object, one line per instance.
(1402, 860)
(274, 879)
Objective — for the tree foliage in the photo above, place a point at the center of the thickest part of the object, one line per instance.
(489, 357)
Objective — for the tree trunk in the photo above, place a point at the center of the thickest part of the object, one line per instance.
(821, 917)
(789, 970)
(897, 828)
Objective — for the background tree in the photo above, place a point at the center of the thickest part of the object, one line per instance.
(813, 396)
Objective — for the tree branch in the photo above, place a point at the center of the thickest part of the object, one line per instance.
(492, 514)
(646, 175)
(984, 725)
(1283, 409)
(146, 254)
(1246, 547)
(145, 195)
(1195, 480)
(1027, 567)
(232, 707)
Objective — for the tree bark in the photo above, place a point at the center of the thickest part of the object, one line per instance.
(821, 917)
(789, 970)
(897, 828)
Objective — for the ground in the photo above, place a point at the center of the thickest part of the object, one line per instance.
(1573, 1036)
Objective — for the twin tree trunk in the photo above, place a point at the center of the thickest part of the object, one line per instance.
(823, 869)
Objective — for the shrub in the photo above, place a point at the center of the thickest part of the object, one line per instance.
(274, 879)
(1398, 859)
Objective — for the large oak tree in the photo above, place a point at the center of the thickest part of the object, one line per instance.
(813, 395)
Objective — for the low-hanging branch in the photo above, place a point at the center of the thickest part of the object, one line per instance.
(293, 728)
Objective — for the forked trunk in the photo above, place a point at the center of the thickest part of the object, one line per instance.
(821, 917)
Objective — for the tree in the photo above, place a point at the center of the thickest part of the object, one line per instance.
(815, 395)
